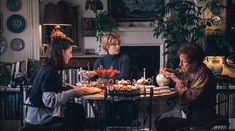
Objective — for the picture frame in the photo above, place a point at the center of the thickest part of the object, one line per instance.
(88, 27)
(132, 10)
(1, 23)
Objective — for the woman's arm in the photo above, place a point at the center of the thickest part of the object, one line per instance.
(52, 99)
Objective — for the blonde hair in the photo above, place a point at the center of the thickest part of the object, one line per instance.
(108, 39)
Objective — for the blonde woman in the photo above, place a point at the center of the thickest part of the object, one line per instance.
(111, 44)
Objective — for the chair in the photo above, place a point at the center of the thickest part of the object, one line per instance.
(24, 92)
(221, 122)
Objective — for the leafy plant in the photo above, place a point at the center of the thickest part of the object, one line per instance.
(182, 23)
(103, 23)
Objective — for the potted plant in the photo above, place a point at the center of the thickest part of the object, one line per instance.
(103, 22)
(183, 22)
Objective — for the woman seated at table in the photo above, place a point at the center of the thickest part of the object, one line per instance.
(111, 43)
(48, 100)
(195, 83)
(121, 112)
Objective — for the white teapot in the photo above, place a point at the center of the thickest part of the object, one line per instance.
(142, 81)
(162, 80)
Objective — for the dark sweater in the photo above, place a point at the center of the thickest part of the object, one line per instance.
(47, 80)
(118, 62)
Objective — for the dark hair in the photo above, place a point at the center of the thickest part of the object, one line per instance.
(194, 52)
(55, 56)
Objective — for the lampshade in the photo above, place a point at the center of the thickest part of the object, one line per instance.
(60, 13)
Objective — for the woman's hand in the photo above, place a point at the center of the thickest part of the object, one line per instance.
(168, 74)
(70, 86)
(80, 91)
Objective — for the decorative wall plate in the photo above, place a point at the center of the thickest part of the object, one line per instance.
(3, 45)
(14, 5)
(16, 23)
(17, 44)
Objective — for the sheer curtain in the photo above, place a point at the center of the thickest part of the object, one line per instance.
(34, 28)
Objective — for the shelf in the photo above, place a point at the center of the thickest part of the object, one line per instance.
(135, 29)
(79, 61)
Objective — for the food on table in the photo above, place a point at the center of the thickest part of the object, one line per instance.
(159, 90)
(91, 90)
(106, 72)
(122, 87)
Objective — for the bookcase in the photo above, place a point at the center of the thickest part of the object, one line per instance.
(10, 104)
(84, 61)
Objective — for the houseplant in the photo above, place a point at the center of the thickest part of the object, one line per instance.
(183, 22)
(103, 22)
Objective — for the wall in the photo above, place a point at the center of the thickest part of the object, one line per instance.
(31, 34)
(29, 10)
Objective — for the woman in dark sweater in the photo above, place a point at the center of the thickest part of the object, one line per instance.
(48, 98)
(118, 113)
(111, 44)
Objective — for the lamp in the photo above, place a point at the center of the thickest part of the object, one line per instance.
(60, 13)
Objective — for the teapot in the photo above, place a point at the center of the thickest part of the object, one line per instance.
(162, 80)
(123, 82)
(142, 81)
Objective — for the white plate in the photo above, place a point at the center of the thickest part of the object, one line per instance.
(17, 44)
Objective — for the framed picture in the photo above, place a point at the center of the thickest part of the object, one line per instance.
(88, 27)
(136, 10)
(1, 21)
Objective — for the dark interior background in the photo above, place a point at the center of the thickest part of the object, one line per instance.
(143, 57)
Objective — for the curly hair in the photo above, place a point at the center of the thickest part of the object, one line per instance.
(108, 39)
(194, 52)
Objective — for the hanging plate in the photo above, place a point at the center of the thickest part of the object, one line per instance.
(16, 23)
(17, 44)
(14, 5)
(3, 45)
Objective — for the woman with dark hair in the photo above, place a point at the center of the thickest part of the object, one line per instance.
(195, 84)
(49, 100)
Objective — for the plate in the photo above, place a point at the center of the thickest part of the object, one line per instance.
(3, 45)
(17, 44)
(14, 5)
(16, 23)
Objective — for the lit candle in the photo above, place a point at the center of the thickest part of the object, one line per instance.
(144, 72)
